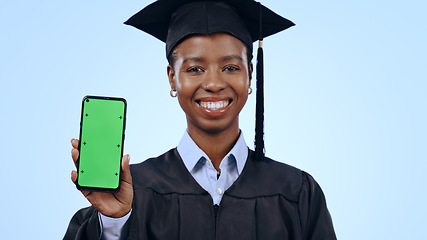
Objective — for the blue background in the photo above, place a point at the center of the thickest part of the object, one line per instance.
(345, 101)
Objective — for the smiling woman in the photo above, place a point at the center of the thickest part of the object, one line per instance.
(212, 76)
(212, 186)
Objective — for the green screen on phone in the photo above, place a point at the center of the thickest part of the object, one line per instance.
(101, 143)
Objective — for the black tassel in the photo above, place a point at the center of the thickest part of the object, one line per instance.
(259, 115)
(259, 111)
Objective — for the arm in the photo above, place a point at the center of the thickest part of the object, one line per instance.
(315, 218)
(85, 224)
(88, 223)
(114, 228)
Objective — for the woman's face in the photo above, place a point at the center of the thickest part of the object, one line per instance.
(211, 75)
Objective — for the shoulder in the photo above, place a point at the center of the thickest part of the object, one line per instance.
(275, 170)
(164, 174)
(153, 165)
(153, 170)
(269, 177)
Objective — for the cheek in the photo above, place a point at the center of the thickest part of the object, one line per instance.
(241, 87)
(186, 87)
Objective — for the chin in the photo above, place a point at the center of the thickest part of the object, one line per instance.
(218, 126)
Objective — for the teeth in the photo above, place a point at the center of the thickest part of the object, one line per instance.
(214, 105)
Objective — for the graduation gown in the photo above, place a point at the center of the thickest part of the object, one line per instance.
(269, 200)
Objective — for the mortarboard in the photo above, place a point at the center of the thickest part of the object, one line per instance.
(171, 21)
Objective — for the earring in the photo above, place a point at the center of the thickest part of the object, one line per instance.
(206, 87)
(249, 90)
(173, 93)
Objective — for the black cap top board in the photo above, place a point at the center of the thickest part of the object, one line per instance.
(172, 21)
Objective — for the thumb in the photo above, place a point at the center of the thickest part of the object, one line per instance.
(126, 176)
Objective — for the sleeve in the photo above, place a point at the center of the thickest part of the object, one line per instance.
(315, 218)
(114, 228)
(84, 225)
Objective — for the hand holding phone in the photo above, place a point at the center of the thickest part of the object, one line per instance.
(103, 175)
(114, 205)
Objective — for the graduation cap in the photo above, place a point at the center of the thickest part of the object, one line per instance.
(171, 21)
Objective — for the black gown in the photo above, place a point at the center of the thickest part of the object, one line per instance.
(269, 200)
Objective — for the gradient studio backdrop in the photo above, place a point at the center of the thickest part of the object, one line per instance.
(345, 100)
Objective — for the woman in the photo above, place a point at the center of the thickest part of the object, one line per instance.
(211, 186)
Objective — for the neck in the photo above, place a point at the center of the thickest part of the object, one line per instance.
(216, 145)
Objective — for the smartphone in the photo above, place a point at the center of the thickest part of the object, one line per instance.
(102, 135)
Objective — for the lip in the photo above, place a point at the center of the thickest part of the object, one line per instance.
(214, 107)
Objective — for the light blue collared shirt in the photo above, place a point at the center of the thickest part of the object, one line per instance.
(202, 170)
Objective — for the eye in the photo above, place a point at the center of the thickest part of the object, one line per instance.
(195, 69)
(230, 68)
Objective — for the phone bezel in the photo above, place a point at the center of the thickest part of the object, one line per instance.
(98, 189)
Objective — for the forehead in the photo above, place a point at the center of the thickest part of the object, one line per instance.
(218, 43)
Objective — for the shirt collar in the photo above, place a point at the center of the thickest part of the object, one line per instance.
(191, 153)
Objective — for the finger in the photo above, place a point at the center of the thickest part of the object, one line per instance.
(74, 176)
(75, 155)
(74, 179)
(75, 143)
(86, 194)
(126, 176)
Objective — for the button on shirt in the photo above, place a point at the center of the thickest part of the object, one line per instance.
(202, 170)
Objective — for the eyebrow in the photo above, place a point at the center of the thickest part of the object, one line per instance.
(226, 58)
(193, 59)
(231, 57)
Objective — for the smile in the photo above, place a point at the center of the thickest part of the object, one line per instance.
(213, 106)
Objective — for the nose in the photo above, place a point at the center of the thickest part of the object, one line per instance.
(214, 82)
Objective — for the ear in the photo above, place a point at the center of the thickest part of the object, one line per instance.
(171, 76)
(250, 70)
